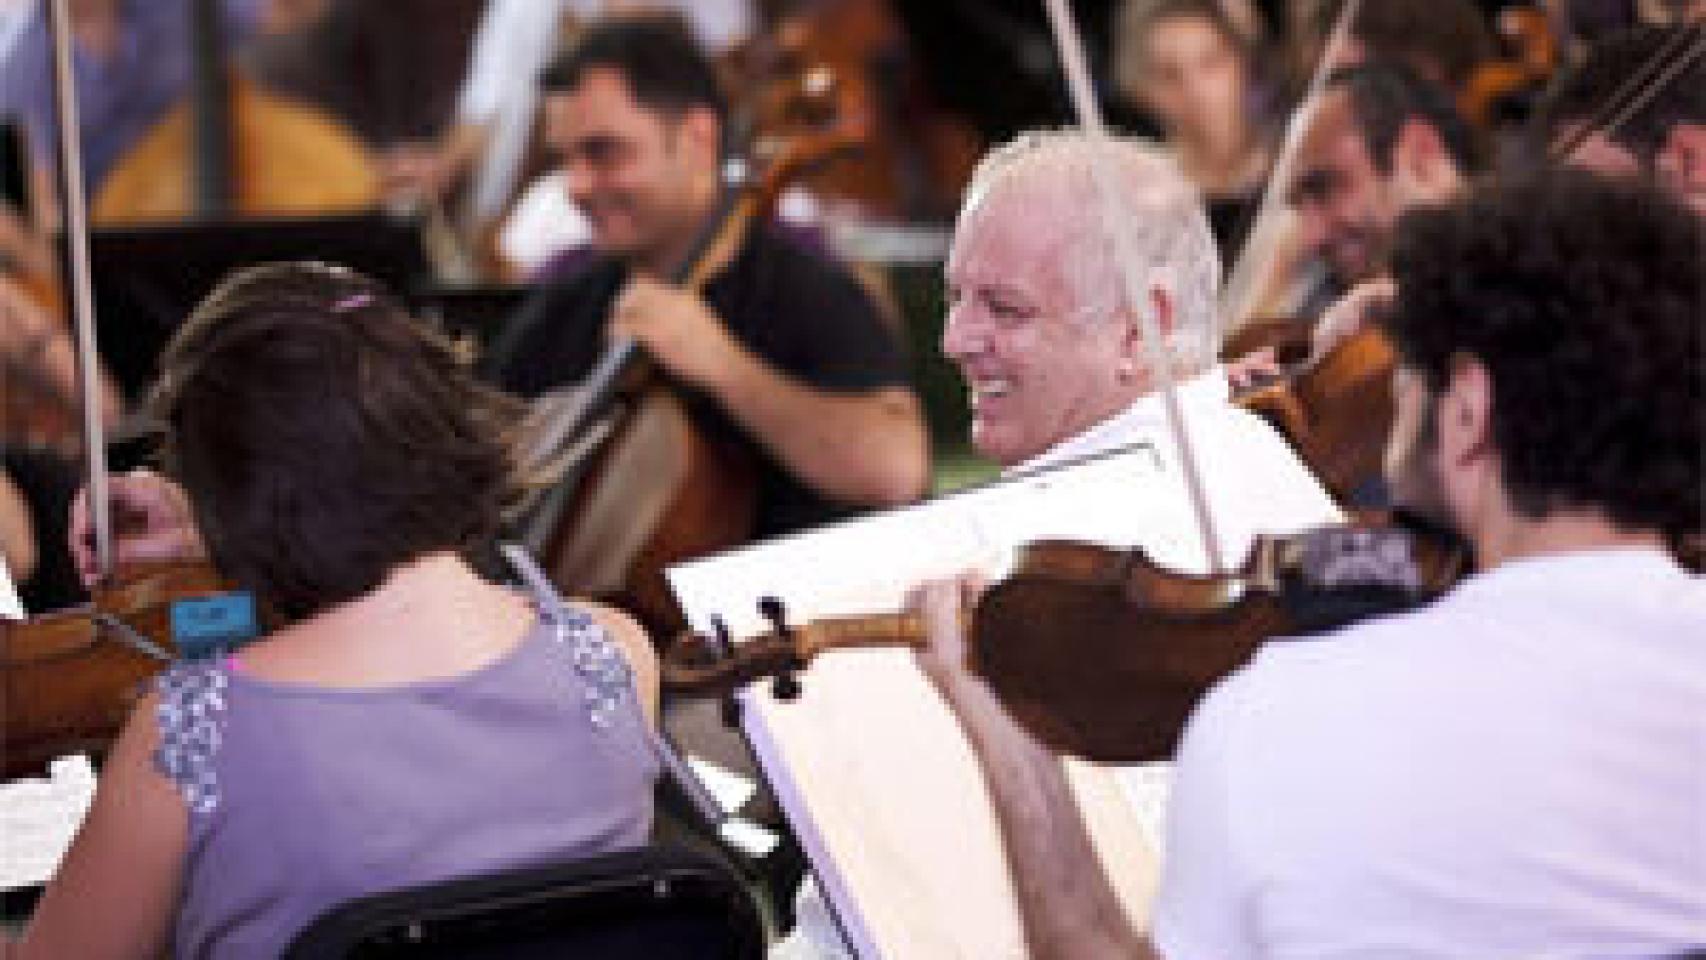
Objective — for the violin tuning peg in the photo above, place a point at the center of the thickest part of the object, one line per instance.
(721, 638)
(773, 610)
(786, 688)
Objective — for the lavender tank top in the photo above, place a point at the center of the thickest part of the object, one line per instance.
(301, 797)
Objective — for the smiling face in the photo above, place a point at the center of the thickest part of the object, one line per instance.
(1038, 369)
(1344, 203)
(637, 174)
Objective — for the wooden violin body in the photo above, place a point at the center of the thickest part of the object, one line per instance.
(1336, 411)
(1101, 654)
(69, 679)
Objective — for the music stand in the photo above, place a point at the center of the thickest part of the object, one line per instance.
(147, 278)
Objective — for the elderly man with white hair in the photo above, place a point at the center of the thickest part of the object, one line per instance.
(1054, 355)
(1058, 367)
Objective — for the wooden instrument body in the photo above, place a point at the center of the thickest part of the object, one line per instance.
(67, 684)
(286, 159)
(1099, 684)
(1337, 412)
(656, 492)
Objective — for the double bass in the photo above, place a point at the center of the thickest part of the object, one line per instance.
(231, 147)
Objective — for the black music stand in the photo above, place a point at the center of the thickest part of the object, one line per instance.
(147, 278)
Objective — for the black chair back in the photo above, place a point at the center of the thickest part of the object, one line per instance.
(657, 903)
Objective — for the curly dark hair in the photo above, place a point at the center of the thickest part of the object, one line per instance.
(325, 437)
(1583, 298)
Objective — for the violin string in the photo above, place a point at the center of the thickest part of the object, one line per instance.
(1636, 92)
(1118, 231)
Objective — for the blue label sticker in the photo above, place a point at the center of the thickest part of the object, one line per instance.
(207, 626)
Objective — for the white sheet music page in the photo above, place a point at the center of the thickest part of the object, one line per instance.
(11, 607)
(38, 819)
(870, 766)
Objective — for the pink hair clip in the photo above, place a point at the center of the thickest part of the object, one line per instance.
(354, 301)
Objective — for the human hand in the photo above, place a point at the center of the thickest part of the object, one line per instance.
(1351, 313)
(1253, 369)
(677, 328)
(416, 171)
(154, 516)
(943, 606)
(25, 326)
(1681, 164)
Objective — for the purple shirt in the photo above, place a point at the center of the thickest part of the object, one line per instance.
(301, 797)
(120, 98)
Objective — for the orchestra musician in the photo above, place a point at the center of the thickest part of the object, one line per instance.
(1055, 361)
(338, 462)
(1190, 64)
(132, 63)
(1512, 770)
(785, 355)
(1664, 136)
(1377, 140)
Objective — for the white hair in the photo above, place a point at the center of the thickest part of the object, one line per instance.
(1169, 231)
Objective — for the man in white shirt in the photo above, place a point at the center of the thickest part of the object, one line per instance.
(1515, 770)
(1058, 368)
(1056, 362)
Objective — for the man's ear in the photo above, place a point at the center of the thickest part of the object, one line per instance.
(1465, 422)
(1166, 317)
(1421, 163)
(701, 131)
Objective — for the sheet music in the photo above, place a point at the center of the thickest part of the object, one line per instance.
(869, 764)
(11, 607)
(38, 819)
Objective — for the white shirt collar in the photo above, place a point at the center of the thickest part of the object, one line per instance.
(1144, 421)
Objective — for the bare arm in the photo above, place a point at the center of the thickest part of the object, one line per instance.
(117, 889)
(17, 531)
(1069, 910)
(868, 448)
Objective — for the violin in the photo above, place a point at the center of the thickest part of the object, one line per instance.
(69, 678)
(1335, 410)
(1101, 653)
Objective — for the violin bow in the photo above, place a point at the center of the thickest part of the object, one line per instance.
(81, 299)
(1243, 281)
(1118, 231)
(1661, 69)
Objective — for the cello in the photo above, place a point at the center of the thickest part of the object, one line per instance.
(630, 484)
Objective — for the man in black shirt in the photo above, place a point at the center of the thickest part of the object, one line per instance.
(784, 351)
